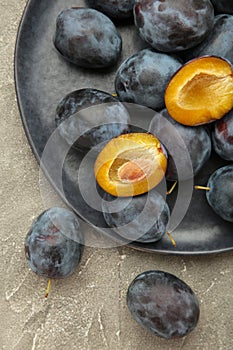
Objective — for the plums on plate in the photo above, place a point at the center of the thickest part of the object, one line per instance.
(188, 147)
(87, 38)
(131, 164)
(143, 77)
(142, 218)
(220, 194)
(85, 128)
(200, 91)
(54, 243)
(163, 304)
(219, 42)
(222, 137)
(118, 9)
(170, 25)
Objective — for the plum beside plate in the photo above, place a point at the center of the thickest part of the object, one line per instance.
(43, 78)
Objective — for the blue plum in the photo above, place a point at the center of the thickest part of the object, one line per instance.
(220, 195)
(143, 77)
(163, 304)
(142, 218)
(172, 26)
(54, 243)
(118, 9)
(87, 38)
(107, 118)
(222, 137)
(218, 42)
(188, 147)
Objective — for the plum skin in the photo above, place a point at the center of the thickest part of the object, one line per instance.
(171, 26)
(218, 42)
(220, 195)
(87, 38)
(163, 304)
(54, 244)
(148, 228)
(197, 141)
(118, 9)
(222, 137)
(95, 125)
(143, 77)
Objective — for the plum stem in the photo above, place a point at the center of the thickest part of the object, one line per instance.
(171, 238)
(48, 288)
(172, 188)
(202, 188)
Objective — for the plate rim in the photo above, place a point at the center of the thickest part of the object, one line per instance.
(132, 245)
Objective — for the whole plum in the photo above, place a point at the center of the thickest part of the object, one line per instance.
(222, 137)
(219, 42)
(220, 195)
(142, 218)
(107, 118)
(143, 77)
(54, 243)
(188, 147)
(163, 304)
(223, 6)
(87, 38)
(119, 9)
(170, 25)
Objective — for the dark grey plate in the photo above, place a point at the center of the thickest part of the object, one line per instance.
(42, 79)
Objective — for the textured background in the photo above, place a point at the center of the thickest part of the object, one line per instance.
(86, 311)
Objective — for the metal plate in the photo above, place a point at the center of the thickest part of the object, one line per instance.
(43, 78)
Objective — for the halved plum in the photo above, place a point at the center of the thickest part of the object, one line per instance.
(201, 91)
(131, 164)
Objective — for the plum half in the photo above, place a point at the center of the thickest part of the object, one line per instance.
(201, 91)
(130, 164)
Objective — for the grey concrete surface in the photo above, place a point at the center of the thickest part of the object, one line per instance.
(86, 311)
